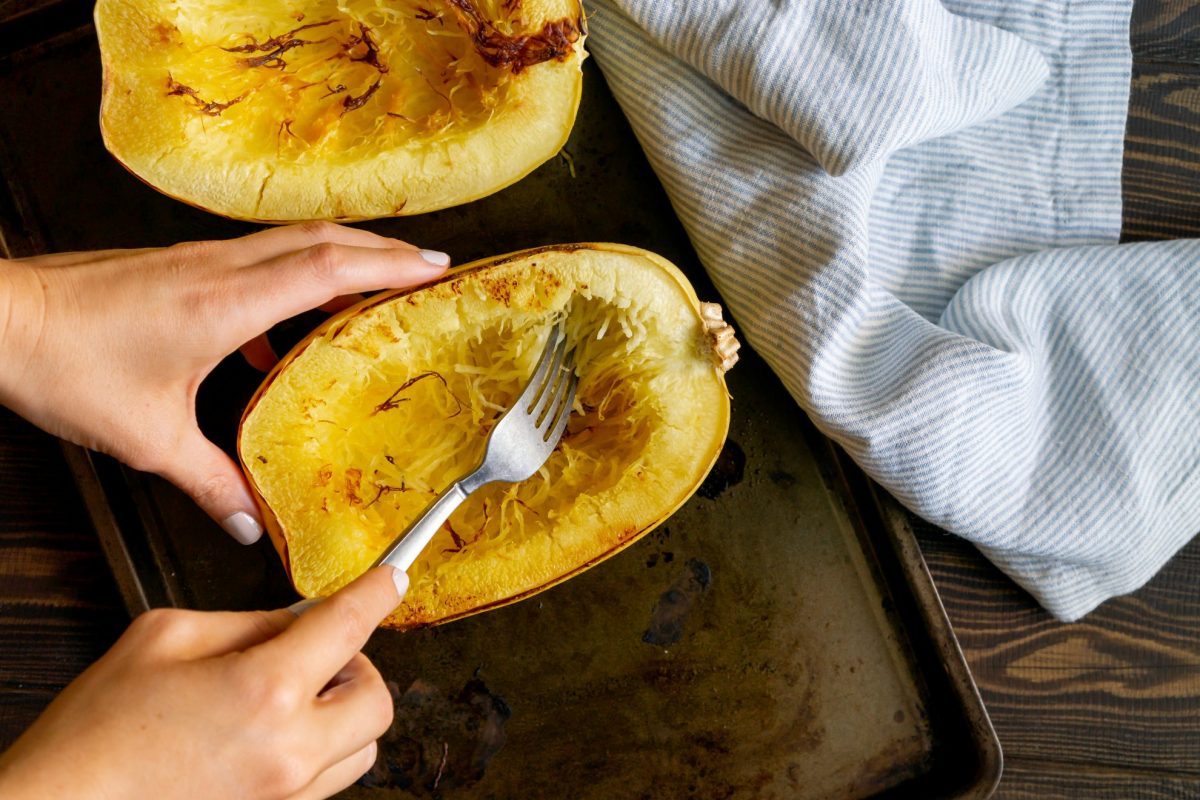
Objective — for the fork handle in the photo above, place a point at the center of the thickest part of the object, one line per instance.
(416, 537)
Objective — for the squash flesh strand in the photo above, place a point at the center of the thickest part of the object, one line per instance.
(341, 78)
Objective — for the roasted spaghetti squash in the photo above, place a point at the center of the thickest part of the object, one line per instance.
(283, 110)
(372, 415)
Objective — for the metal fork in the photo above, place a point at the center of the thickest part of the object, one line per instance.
(517, 447)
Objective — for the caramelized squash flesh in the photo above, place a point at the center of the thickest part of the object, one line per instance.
(390, 402)
(346, 109)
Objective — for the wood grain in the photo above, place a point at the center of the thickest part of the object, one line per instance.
(1049, 780)
(58, 606)
(1119, 690)
(1162, 140)
(1162, 160)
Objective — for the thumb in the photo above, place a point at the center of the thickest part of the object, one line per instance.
(218, 486)
(320, 643)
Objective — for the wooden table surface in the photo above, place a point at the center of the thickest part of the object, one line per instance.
(1106, 708)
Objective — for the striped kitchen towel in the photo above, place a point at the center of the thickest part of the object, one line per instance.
(911, 209)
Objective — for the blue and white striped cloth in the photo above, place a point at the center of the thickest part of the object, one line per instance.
(910, 208)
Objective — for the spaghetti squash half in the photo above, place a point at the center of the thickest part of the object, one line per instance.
(386, 404)
(284, 110)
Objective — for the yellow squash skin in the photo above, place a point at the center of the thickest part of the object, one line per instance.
(289, 110)
(385, 404)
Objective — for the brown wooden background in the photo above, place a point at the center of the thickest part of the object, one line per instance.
(1106, 708)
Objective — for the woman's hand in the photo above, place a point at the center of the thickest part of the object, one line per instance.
(200, 705)
(107, 349)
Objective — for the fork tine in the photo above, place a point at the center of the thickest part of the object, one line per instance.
(551, 388)
(553, 381)
(549, 410)
(562, 410)
(546, 386)
(538, 379)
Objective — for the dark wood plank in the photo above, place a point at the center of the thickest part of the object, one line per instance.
(58, 605)
(1162, 152)
(1119, 690)
(1165, 32)
(1162, 141)
(1048, 780)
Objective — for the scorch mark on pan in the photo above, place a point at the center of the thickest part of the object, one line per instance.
(676, 604)
(438, 743)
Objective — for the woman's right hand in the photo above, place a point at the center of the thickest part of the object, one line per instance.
(196, 705)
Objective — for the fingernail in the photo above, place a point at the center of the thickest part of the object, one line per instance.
(435, 257)
(300, 607)
(400, 578)
(243, 527)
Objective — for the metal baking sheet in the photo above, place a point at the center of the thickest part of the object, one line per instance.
(779, 636)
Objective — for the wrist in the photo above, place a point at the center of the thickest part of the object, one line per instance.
(22, 307)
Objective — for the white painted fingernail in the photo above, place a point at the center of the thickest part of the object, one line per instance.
(301, 606)
(435, 257)
(243, 527)
(400, 578)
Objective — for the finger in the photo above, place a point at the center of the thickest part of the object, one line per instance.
(202, 470)
(256, 247)
(342, 302)
(234, 631)
(359, 664)
(355, 712)
(341, 775)
(259, 353)
(274, 242)
(358, 668)
(327, 636)
(283, 287)
(188, 635)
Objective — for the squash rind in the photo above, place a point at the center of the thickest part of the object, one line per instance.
(624, 520)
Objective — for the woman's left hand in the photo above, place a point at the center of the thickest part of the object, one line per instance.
(107, 349)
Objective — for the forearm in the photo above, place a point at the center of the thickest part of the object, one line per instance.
(9, 281)
(22, 306)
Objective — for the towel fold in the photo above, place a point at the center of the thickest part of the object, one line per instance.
(911, 208)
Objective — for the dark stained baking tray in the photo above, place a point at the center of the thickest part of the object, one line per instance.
(779, 636)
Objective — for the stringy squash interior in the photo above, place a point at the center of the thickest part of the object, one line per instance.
(303, 109)
(401, 436)
(390, 405)
(344, 75)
